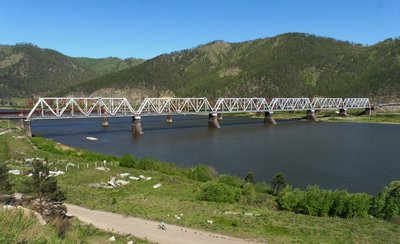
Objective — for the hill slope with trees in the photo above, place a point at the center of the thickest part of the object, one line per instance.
(27, 70)
(292, 64)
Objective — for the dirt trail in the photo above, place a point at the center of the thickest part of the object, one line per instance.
(146, 229)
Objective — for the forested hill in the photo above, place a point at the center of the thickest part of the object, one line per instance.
(291, 64)
(27, 70)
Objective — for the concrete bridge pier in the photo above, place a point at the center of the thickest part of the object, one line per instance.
(367, 112)
(219, 117)
(213, 121)
(27, 128)
(311, 115)
(343, 112)
(20, 123)
(168, 119)
(268, 119)
(104, 121)
(136, 126)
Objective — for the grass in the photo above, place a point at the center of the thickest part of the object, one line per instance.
(17, 227)
(179, 195)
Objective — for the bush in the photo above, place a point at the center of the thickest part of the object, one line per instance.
(358, 205)
(386, 204)
(292, 200)
(128, 161)
(218, 192)
(339, 203)
(317, 202)
(231, 180)
(202, 173)
(248, 192)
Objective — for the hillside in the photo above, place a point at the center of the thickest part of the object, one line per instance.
(291, 64)
(27, 70)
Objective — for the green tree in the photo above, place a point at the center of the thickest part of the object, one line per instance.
(278, 183)
(5, 185)
(43, 186)
(249, 177)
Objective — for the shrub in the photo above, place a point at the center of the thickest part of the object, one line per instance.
(218, 192)
(339, 203)
(248, 192)
(291, 200)
(230, 180)
(128, 161)
(202, 173)
(358, 205)
(386, 204)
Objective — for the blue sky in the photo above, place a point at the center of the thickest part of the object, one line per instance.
(147, 28)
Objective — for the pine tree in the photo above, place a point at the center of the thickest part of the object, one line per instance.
(278, 183)
(42, 186)
(5, 185)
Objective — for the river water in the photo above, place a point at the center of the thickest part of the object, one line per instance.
(354, 156)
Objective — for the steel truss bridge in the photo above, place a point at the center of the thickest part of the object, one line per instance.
(83, 107)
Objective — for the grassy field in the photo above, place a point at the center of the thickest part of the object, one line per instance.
(179, 195)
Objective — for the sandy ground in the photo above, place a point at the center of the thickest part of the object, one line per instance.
(146, 229)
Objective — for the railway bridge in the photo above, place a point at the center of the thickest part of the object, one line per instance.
(88, 107)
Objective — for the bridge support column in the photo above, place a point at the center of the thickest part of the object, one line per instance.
(104, 121)
(213, 121)
(367, 112)
(219, 116)
(27, 128)
(168, 119)
(21, 123)
(311, 115)
(268, 119)
(343, 112)
(136, 126)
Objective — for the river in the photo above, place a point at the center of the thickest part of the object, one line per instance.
(354, 156)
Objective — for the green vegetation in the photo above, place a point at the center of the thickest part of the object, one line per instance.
(18, 227)
(27, 70)
(288, 65)
(237, 207)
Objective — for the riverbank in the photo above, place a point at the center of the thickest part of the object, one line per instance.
(178, 200)
(330, 116)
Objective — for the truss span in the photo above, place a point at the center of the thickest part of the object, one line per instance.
(59, 107)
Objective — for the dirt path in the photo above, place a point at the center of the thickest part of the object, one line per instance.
(146, 229)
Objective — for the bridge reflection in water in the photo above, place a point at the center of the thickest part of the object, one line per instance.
(63, 108)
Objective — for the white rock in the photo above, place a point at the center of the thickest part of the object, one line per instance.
(142, 177)
(14, 172)
(156, 186)
(112, 238)
(103, 168)
(210, 221)
(124, 174)
(148, 178)
(122, 182)
(91, 138)
(129, 242)
(134, 178)
(56, 173)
